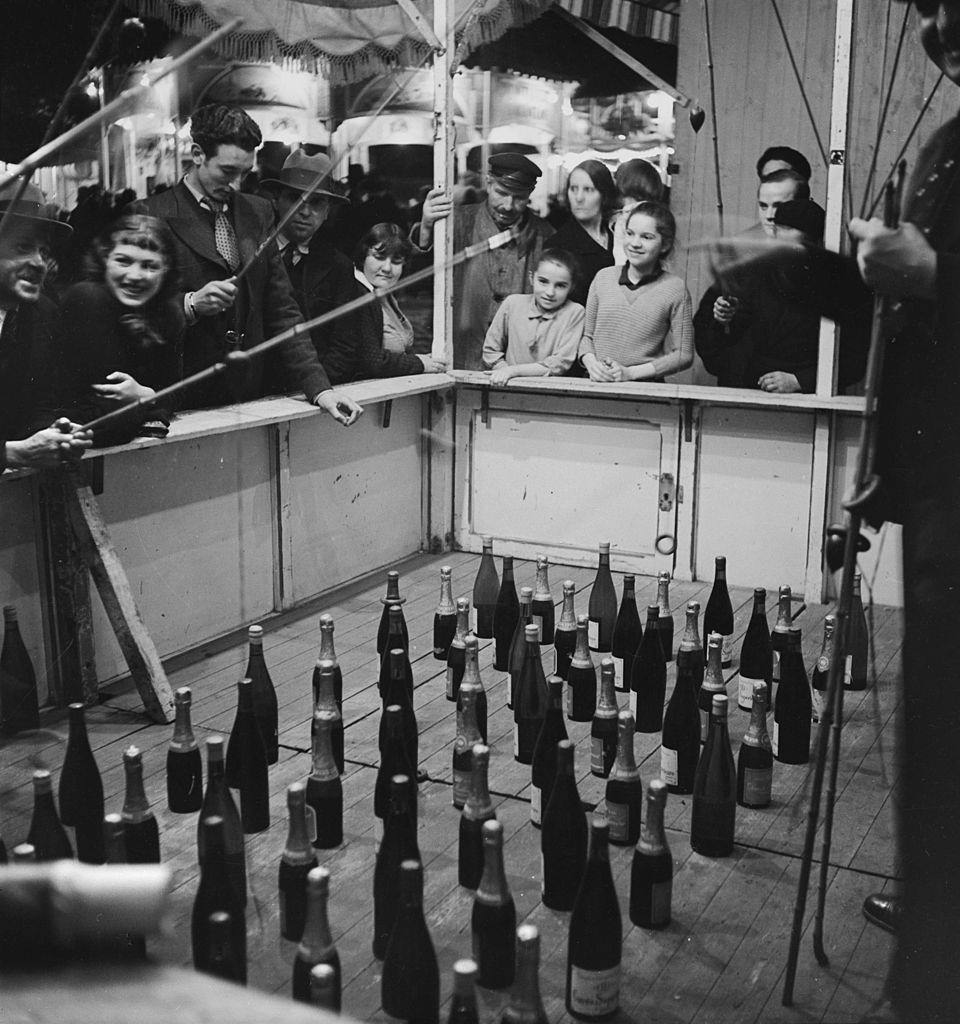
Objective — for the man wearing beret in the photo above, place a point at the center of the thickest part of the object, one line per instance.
(481, 284)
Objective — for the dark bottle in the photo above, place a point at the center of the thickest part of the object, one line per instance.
(47, 836)
(526, 1006)
(712, 683)
(24, 853)
(855, 659)
(113, 842)
(648, 679)
(445, 617)
(472, 679)
(184, 765)
(81, 791)
(410, 986)
(793, 707)
(715, 789)
(494, 919)
(542, 611)
(216, 892)
(595, 943)
(19, 706)
(463, 1004)
(581, 677)
(486, 590)
(392, 599)
(399, 844)
(468, 736)
(325, 987)
(778, 636)
(397, 639)
(249, 756)
(396, 693)
(296, 862)
(324, 675)
(565, 634)
(665, 618)
(264, 695)
(680, 745)
(394, 760)
(603, 729)
(691, 638)
(141, 833)
(329, 653)
(316, 946)
(324, 788)
(530, 701)
(624, 793)
(505, 617)
(222, 961)
(756, 654)
(544, 765)
(755, 758)
(563, 836)
(603, 604)
(651, 873)
(518, 646)
(457, 654)
(718, 615)
(820, 676)
(477, 810)
(218, 802)
(627, 634)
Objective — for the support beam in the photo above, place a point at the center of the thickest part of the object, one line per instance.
(443, 145)
(423, 26)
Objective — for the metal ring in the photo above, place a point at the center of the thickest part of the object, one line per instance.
(666, 544)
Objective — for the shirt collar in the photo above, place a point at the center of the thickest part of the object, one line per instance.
(359, 275)
(534, 312)
(204, 200)
(627, 283)
(303, 247)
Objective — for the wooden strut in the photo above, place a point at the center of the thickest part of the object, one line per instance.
(713, 113)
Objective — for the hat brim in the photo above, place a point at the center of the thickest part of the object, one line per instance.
(276, 183)
(57, 229)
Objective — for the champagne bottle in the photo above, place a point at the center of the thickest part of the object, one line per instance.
(627, 634)
(251, 763)
(581, 677)
(712, 683)
(563, 836)
(680, 746)
(324, 674)
(529, 700)
(526, 1006)
(756, 654)
(396, 640)
(399, 844)
(394, 760)
(691, 640)
(718, 615)
(665, 618)
(505, 617)
(328, 653)
(222, 960)
(793, 707)
(494, 919)
(47, 836)
(855, 656)
(472, 679)
(778, 637)
(141, 833)
(486, 590)
(603, 729)
(457, 654)
(715, 789)
(113, 842)
(24, 853)
(396, 692)
(445, 617)
(216, 892)
(468, 736)
(410, 986)
(603, 604)
(296, 862)
(544, 764)
(325, 987)
(820, 677)
(81, 791)
(463, 1005)
(542, 610)
(565, 634)
(264, 695)
(184, 766)
(648, 679)
(595, 942)
(218, 802)
(518, 646)
(316, 946)
(623, 796)
(755, 758)
(651, 873)
(324, 789)
(19, 706)
(392, 599)
(477, 810)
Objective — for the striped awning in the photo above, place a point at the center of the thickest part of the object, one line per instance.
(651, 19)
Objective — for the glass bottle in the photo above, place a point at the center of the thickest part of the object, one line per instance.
(486, 590)
(665, 618)
(542, 610)
(247, 755)
(565, 634)
(855, 661)
(715, 789)
(394, 760)
(264, 695)
(324, 793)
(396, 693)
(216, 892)
(468, 736)
(651, 873)
(325, 988)
(218, 802)
(493, 922)
(718, 615)
(324, 674)
(526, 1006)
(399, 844)
(793, 709)
(463, 1004)
(81, 791)
(19, 706)
(222, 961)
(820, 677)
(778, 636)
(518, 646)
(712, 683)
(140, 830)
(603, 729)
(581, 677)
(477, 810)
(457, 654)
(623, 797)
(627, 634)
(396, 640)
(47, 836)
(648, 680)
(755, 758)
(410, 985)
(691, 638)
(329, 653)
(393, 599)
(756, 654)
(445, 617)
(316, 946)
(543, 770)
(529, 700)
(296, 862)
(472, 679)
(603, 604)
(505, 617)
(184, 766)
(563, 836)
(680, 745)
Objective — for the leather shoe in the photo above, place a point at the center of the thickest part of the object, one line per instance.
(884, 911)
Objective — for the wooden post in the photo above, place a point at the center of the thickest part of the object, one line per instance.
(443, 145)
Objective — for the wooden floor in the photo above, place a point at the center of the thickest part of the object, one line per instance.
(722, 958)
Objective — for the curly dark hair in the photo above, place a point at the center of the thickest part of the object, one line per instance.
(602, 180)
(387, 239)
(215, 124)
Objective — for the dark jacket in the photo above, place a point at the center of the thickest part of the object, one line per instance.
(591, 257)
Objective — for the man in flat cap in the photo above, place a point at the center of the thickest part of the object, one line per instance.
(481, 284)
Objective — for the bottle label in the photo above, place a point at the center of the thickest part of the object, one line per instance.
(449, 682)
(661, 899)
(596, 755)
(618, 816)
(775, 739)
(668, 766)
(633, 704)
(310, 816)
(594, 993)
(726, 650)
(619, 681)
(776, 666)
(745, 692)
(461, 787)
(537, 620)
(593, 634)
(757, 784)
(536, 795)
(847, 670)
(568, 699)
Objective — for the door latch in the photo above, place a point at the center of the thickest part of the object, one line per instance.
(667, 492)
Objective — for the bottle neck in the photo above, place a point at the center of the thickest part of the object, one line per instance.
(324, 766)
(542, 590)
(299, 849)
(508, 570)
(783, 611)
(135, 806)
(395, 630)
(525, 994)
(463, 626)
(471, 667)
(691, 630)
(663, 597)
(608, 694)
(327, 651)
(183, 739)
(582, 649)
(446, 605)
(317, 939)
(78, 738)
(255, 660)
(760, 605)
(568, 617)
(713, 675)
(720, 575)
(326, 697)
(653, 838)
(478, 799)
(493, 882)
(468, 732)
(215, 769)
(625, 764)
(756, 734)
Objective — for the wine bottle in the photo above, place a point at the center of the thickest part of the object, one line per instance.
(114, 844)
(468, 736)
(316, 946)
(623, 796)
(222, 961)
(184, 766)
(530, 700)
(581, 677)
(47, 836)
(526, 1006)
(264, 695)
(328, 653)
(691, 639)
(486, 590)
(755, 758)
(712, 683)
(603, 729)
(494, 919)
(396, 693)
(718, 615)
(680, 746)
(397, 641)
(544, 765)
(565, 633)
(324, 676)
(218, 802)
(855, 656)
(445, 617)
(250, 761)
(325, 987)
(216, 892)
(603, 604)
(793, 711)
(518, 646)
(648, 678)
(477, 810)
(463, 1005)
(19, 706)
(627, 634)
(410, 985)
(394, 760)
(457, 654)
(820, 677)
(81, 791)
(141, 833)
(392, 599)
(563, 836)
(472, 679)
(542, 610)
(756, 654)
(324, 789)
(24, 853)
(399, 844)
(665, 618)
(595, 943)
(296, 862)
(651, 873)
(778, 637)
(505, 617)
(715, 789)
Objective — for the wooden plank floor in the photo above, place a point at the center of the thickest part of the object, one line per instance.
(722, 958)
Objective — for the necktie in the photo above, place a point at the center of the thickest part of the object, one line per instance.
(224, 237)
